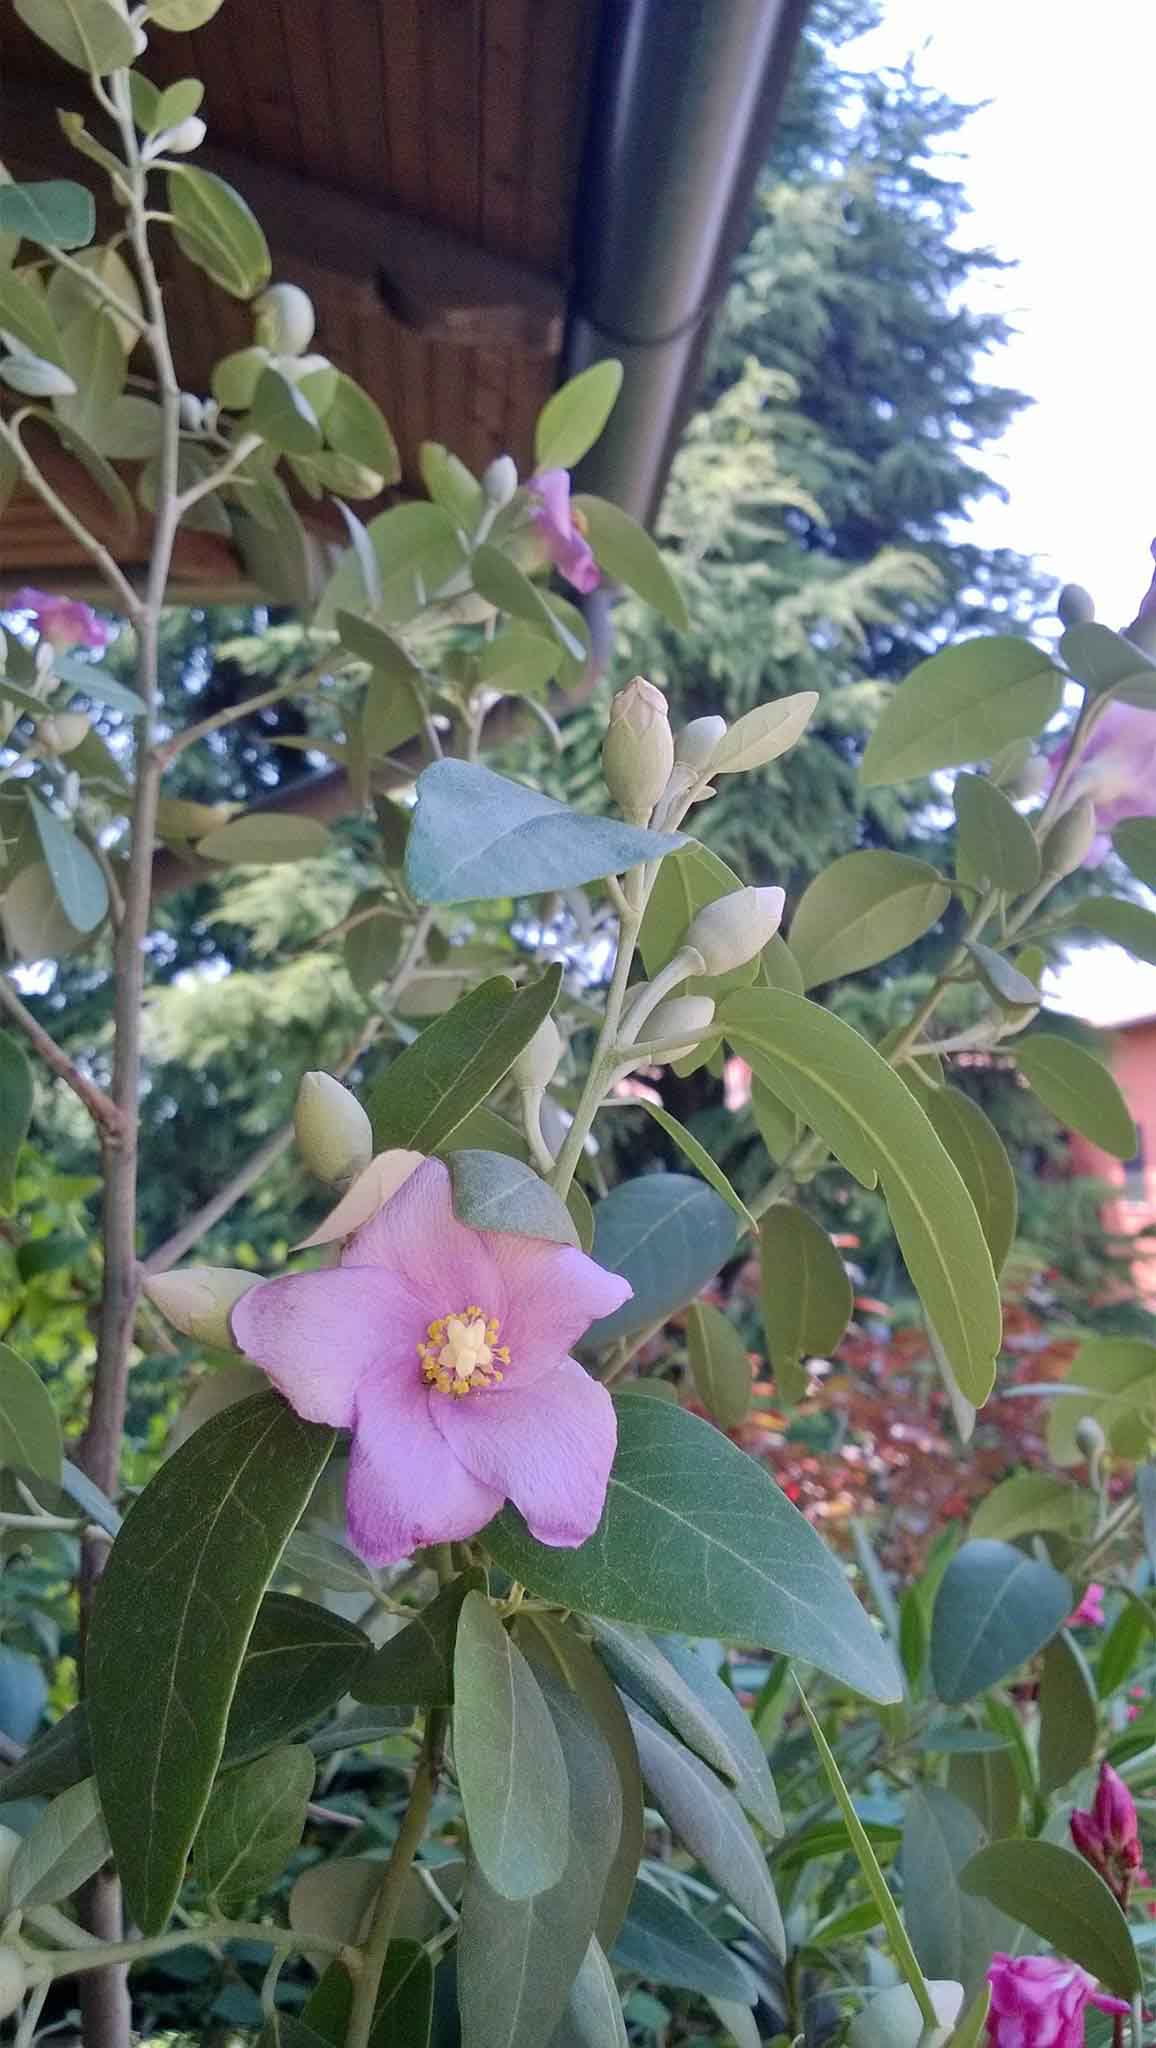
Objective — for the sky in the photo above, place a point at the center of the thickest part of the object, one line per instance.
(1059, 168)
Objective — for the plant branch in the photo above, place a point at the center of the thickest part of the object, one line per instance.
(95, 550)
(45, 1967)
(604, 1062)
(413, 1826)
(169, 750)
(100, 1106)
(218, 1205)
(243, 447)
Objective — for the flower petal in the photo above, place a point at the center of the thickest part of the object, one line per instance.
(548, 1447)
(373, 1187)
(318, 1334)
(417, 1236)
(550, 488)
(406, 1486)
(550, 1296)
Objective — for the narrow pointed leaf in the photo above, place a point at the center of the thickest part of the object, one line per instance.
(573, 417)
(424, 1094)
(972, 1142)
(720, 1364)
(416, 1666)
(626, 552)
(502, 584)
(806, 1295)
(1069, 1720)
(217, 230)
(593, 2016)
(762, 735)
(664, 1943)
(698, 1156)
(509, 1762)
(64, 1847)
(29, 1428)
(1079, 1090)
(645, 1672)
(754, 1787)
(252, 1825)
(76, 876)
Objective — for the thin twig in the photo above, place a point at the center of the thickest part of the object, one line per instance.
(168, 751)
(218, 1205)
(405, 1848)
(100, 1106)
(93, 548)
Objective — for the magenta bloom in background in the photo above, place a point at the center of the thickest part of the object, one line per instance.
(1117, 770)
(62, 621)
(445, 1351)
(555, 522)
(1090, 1612)
(1039, 2002)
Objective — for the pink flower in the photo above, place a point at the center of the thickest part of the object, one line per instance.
(1117, 769)
(444, 1350)
(736, 1083)
(559, 527)
(1039, 2001)
(62, 621)
(1090, 1612)
(1114, 1813)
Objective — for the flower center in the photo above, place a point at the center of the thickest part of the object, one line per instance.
(460, 1354)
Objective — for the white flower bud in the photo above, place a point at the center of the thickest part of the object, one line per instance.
(678, 1014)
(1090, 1438)
(1069, 842)
(638, 751)
(368, 1193)
(191, 411)
(63, 730)
(334, 1134)
(537, 1063)
(697, 742)
(500, 480)
(198, 1300)
(13, 1981)
(731, 931)
(284, 320)
(181, 140)
(1074, 606)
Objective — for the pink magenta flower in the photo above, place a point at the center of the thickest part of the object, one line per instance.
(1114, 1813)
(445, 1350)
(1117, 770)
(558, 526)
(62, 621)
(1090, 1612)
(1039, 2002)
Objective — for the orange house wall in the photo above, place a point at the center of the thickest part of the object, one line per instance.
(1133, 1061)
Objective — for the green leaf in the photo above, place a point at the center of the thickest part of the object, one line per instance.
(404, 2009)
(176, 1606)
(298, 1661)
(509, 1761)
(972, 2029)
(1118, 1379)
(963, 704)
(57, 213)
(77, 879)
(320, 1560)
(29, 1429)
(426, 1092)
(1079, 1091)
(218, 231)
(92, 34)
(518, 664)
(994, 1609)
(761, 735)
(17, 1099)
(698, 1156)
(1103, 660)
(1111, 917)
(997, 844)
(416, 1666)
(987, 1783)
(954, 1936)
(754, 1787)
(24, 315)
(806, 1295)
(182, 15)
(720, 1363)
(644, 1671)
(697, 1538)
(263, 839)
(777, 1126)
(1135, 841)
(667, 1235)
(685, 883)
(662, 1942)
(861, 910)
(626, 552)
(593, 2016)
(66, 1844)
(491, 1191)
(59, 1757)
(708, 1820)
(1120, 1648)
(283, 416)
(384, 653)
(477, 835)
(451, 485)
(838, 1084)
(868, 1862)
(92, 679)
(503, 584)
(1056, 1894)
(252, 1825)
(95, 360)
(573, 417)
(975, 1147)
(1033, 1501)
(178, 101)
(103, 475)
(1069, 1722)
(893, 2019)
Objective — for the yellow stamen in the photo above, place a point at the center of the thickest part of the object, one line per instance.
(460, 1356)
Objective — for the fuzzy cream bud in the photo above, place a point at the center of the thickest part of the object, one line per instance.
(13, 1982)
(1070, 840)
(695, 745)
(537, 1063)
(1075, 606)
(199, 1300)
(500, 480)
(284, 320)
(183, 139)
(61, 731)
(1090, 1438)
(334, 1134)
(678, 1014)
(732, 930)
(638, 751)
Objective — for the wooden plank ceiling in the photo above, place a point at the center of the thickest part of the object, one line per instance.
(355, 128)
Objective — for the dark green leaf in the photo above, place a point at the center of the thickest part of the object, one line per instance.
(66, 1844)
(263, 839)
(1120, 1649)
(92, 34)
(416, 1666)
(754, 1788)
(56, 213)
(645, 1672)
(662, 1942)
(626, 552)
(997, 844)
(573, 416)
(509, 1761)
(218, 231)
(1056, 1894)
(963, 704)
(403, 2014)
(491, 1191)
(1069, 1724)
(972, 1142)
(319, 1560)
(954, 1936)
(426, 1092)
(176, 1607)
(697, 1538)
(17, 1096)
(806, 1295)
(593, 2016)
(283, 416)
(986, 1782)
(861, 910)
(76, 876)
(666, 1234)
(720, 1364)
(477, 835)
(298, 1661)
(994, 1609)
(252, 1825)
(1079, 1090)
(1135, 841)
(29, 1429)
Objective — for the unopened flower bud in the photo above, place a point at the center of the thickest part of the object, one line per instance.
(500, 480)
(1114, 1813)
(1090, 1438)
(669, 1021)
(537, 1063)
(695, 745)
(732, 930)
(191, 411)
(198, 1300)
(284, 320)
(334, 1134)
(1070, 840)
(63, 730)
(1075, 607)
(1088, 1839)
(183, 139)
(638, 751)
(1032, 779)
(13, 1981)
